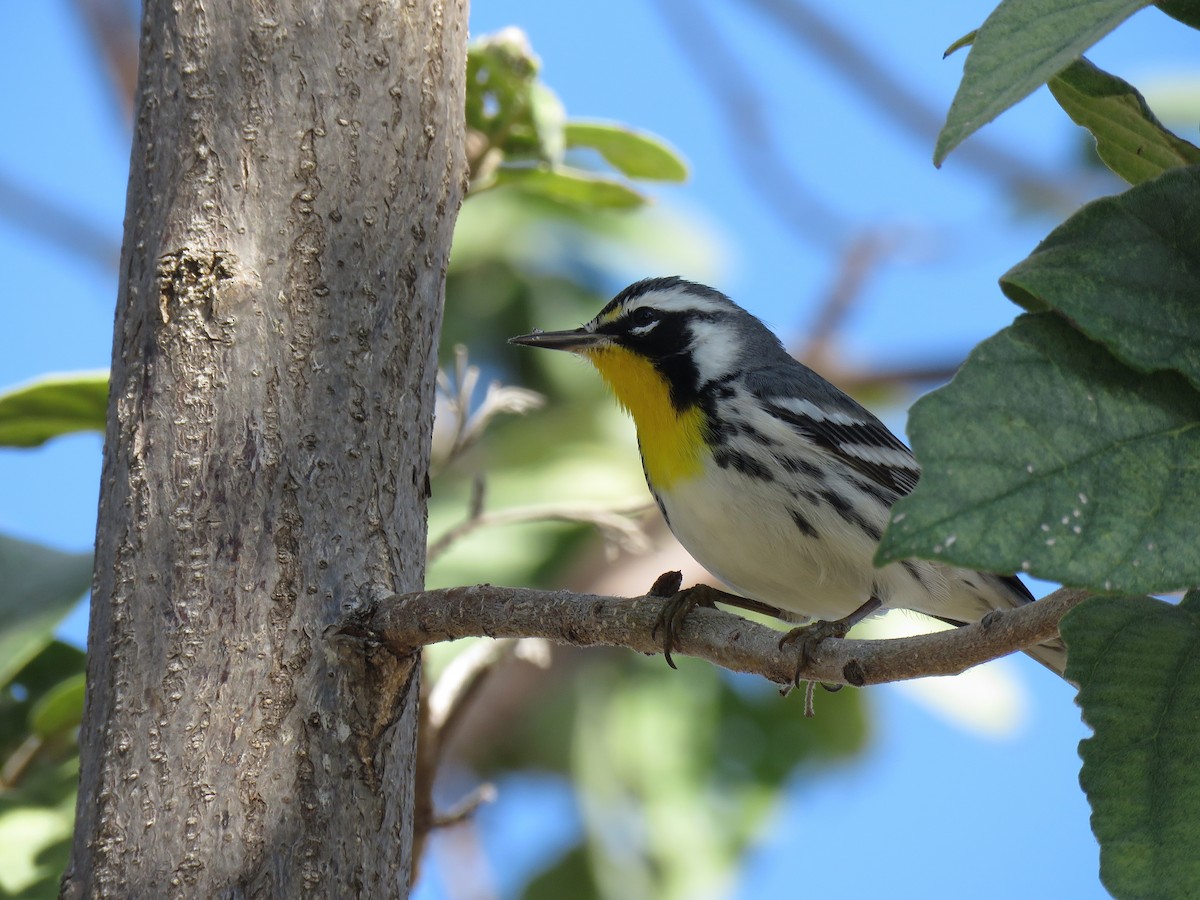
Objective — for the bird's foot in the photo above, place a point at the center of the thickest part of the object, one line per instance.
(806, 638)
(678, 607)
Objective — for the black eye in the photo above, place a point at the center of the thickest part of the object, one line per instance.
(643, 315)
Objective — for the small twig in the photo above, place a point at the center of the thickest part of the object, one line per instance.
(458, 392)
(859, 259)
(616, 524)
(583, 620)
(465, 808)
(19, 761)
(460, 682)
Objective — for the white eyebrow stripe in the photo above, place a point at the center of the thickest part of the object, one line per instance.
(881, 456)
(677, 299)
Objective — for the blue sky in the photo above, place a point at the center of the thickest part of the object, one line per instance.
(934, 810)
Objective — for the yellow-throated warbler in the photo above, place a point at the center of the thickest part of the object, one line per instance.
(772, 478)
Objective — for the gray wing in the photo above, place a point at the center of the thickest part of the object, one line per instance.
(836, 424)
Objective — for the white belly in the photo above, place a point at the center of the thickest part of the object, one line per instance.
(741, 529)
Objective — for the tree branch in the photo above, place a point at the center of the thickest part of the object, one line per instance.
(406, 622)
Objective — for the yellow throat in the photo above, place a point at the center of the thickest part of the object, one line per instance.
(671, 441)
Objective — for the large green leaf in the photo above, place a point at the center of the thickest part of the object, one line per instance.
(633, 153)
(1020, 46)
(33, 413)
(1046, 455)
(572, 186)
(1186, 11)
(1137, 664)
(1130, 140)
(1126, 271)
(38, 586)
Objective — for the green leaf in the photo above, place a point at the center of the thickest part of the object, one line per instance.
(36, 822)
(38, 586)
(1126, 271)
(549, 120)
(48, 407)
(59, 710)
(1185, 11)
(506, 102)
(1046, 455)
(1137, 664)
(572, 186)
(1130, 140)
(633, 153)
(39, 677)
(1020, 46)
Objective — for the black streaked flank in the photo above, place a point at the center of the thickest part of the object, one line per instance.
(803, 524)
(885, 495)
(911, 568)
(845, 509)
(745, 464)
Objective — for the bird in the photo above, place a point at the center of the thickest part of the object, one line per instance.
(772, 478)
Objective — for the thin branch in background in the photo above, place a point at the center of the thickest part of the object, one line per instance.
(767, 166)
(114, 32)
(443, 707)
(886, 91)
(618, 525)
(457, 393)
(37, 214)
(465, 808)
(916, 376)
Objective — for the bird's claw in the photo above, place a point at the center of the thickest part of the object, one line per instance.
(807, 637)
(673, 613)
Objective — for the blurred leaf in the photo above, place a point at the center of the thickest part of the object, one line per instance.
(58, 404)
(1046, 455)
(1185, 11)
(1018, 48)
(549, 119)
(36, 822)
(633, 153)
(1126, 271)
(59, 710)
(570, 877)
(1137, 664)
(42, 675)
(519, 116)
(1130, 140)
(36, 811)
(38, 586)
(572, 186)
(677, 771)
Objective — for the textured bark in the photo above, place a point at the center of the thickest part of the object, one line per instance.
(296, 171)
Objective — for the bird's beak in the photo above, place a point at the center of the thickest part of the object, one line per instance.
(579, 339)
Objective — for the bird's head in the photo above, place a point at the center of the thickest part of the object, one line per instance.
(664, 339)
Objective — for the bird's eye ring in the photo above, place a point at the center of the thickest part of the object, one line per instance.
(643, 315)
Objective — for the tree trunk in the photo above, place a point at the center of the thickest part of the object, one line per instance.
(296, 171)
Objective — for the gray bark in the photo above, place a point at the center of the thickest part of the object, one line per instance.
(296, 171)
